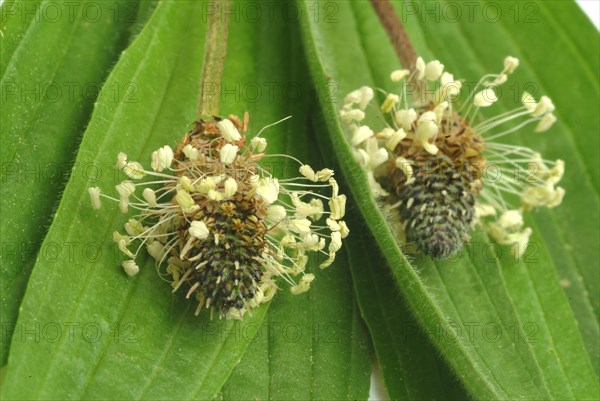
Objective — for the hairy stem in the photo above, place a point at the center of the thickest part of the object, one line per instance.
(215, 50)
(396, 32)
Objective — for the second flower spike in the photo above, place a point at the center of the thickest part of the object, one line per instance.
(439, 169)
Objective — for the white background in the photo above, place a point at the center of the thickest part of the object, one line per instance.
(592, 9)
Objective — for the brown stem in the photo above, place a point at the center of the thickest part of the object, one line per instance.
(215, 50)
(396, 32)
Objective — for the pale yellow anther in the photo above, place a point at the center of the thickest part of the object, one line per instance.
(399, 75)
(259, 144)
(361, 96)
(349, 116)
(519, 242)
(344, 230)
(528, 101)
(186, 183)
(205, 184)
(301, 226)
(448, 89)
(276, 213)
(130, 267)
(303, 285)
(230, 187)
(324, 175)
(511, 219)
(544, 106)
(190, 152)
(390, 101)
(385, 133)
(485, 98)
(310, 241)
(361, 134)
(377, 155)
(510, 64)
(420, 67)
(125, 188)
(162, 158)
(134, 228)
(328, 261)
(405, 118)
(336, 242)
(542, 196)
(215, 195)
(185, 201)
(95, 197)
(483, 210)
(121, 160)
(433, 70)
(117, 236)
(122, 244)
(150, 197)
(440, 110)
(228, 130)
(545, 123)
(198, 229)
(308, 172)
(427, 129)
(556, 173)
(228, 153)
(134, 170)
(156, 249)
(337, 206)
(405, 166)
(268, 189)
(304, 209)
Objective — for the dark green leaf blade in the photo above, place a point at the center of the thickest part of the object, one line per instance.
(130, 337)
(313, 345)
(569, 233)
(411, 366)
(54, 57)
(470, 290)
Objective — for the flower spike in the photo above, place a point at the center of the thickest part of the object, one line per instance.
(427, 163)
(220, 225)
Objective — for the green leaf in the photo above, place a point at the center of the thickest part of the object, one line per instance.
(144, 12)
(569, 232)
(150, 346)
(54, 57)
(508, 329)
(412, 368)
(313, 345)
(86, 330)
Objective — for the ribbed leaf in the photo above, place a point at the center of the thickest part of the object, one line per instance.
(150, 346)
(505, 328)
(101, 335)
(311, 346)
(570, 232)
(412, 368)
(54, 57)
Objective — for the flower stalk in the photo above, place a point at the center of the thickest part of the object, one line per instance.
(396, 32)
(215, 51)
